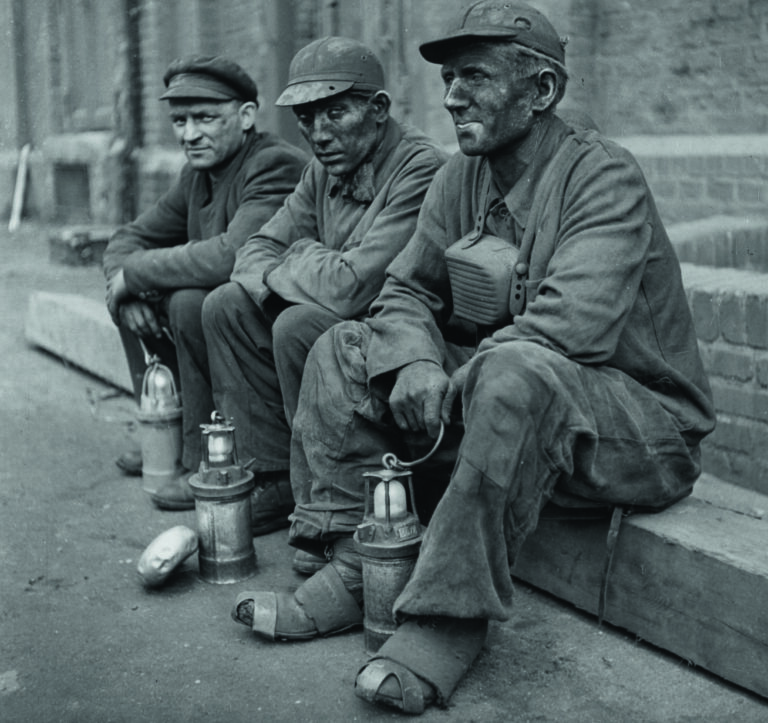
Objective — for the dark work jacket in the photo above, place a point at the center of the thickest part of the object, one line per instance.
(189, 237)
(604, 285)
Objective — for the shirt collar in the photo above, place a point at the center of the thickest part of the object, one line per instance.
(519, 199)
(362, 185)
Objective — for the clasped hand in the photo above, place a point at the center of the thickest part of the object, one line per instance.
(137, 316)
(423, 395)
(117, 293)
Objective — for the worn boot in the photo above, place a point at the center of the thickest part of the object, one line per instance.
(329, 602)
(175, 494)
(271, 502)
(305, 563)
(130, 462)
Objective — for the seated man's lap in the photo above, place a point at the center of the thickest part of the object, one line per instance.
(607, 435)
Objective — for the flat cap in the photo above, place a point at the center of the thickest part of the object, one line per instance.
(491, 19)
(329, 66)
(208, 77)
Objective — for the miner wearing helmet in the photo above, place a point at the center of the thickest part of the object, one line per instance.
(161, 266)
(319, 260)
(537, 318)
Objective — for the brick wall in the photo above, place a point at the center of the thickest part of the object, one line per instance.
(673, 67)
(700, 176)
(730, 311)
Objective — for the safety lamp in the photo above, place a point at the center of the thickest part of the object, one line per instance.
(222, 490)
(388, 540)
(219, 452)
(159, 418)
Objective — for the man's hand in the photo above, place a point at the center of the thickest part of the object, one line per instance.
(140, 318)
(455, 388)
(417, 397)
(117, 293)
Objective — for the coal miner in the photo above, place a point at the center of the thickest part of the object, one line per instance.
(319, 260)
(160, 267)
(572, 377)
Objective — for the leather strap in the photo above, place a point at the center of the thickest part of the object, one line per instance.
(610, 542)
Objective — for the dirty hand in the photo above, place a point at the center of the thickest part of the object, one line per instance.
(417, 397)
(140, 318)
(117, 293)
(455, 388)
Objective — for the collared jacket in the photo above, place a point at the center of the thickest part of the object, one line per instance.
(603, 286)
(327, 248)
(189, 237)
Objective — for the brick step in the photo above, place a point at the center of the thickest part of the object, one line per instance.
(737, 242)
(692, 579)
(730, 312)
(80, 331)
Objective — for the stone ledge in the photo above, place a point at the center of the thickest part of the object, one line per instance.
(692, 579)
(80, 331)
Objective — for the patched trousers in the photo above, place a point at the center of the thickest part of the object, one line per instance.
(535, 425)
(186, 356)
(257, 354)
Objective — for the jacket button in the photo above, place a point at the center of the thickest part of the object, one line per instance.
(521, 269)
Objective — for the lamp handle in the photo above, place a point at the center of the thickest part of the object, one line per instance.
(390, 460)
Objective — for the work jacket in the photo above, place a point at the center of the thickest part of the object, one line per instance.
(329, 246)
(603, 285)
(189, 237)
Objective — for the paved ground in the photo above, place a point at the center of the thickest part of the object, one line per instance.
(82, 640)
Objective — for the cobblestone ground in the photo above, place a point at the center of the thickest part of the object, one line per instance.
(83, 641)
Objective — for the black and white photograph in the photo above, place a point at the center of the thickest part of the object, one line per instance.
(376, 360)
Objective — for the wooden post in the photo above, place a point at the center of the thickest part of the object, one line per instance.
(18, 192)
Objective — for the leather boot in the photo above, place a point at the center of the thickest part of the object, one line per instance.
(305, 563)
(130, 462)
(175, 494)
(271, 502)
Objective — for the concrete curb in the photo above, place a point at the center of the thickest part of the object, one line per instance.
(80, 331)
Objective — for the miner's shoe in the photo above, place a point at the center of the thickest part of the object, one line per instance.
(329, 602)
(175, 494)
(305, 563)
(271, 502)
(130, 463)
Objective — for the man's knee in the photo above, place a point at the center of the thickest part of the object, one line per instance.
(299, 326)
(185, 309)
(523, 374)
(221, 304)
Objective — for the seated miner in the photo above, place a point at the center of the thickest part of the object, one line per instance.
(319, 260)
(160, 267)
(538, 314)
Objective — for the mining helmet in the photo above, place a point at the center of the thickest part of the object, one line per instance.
(329, 66)
(494, 20)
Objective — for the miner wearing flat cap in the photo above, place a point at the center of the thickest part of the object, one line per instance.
(161, 266)
(536, 324)
(318, 261)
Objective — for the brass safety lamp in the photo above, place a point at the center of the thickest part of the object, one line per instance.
(222, 488)
(388, 541)
(159, 418)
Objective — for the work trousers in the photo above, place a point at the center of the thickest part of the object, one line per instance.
(257, 355)
(185, 355)
(535, 424)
